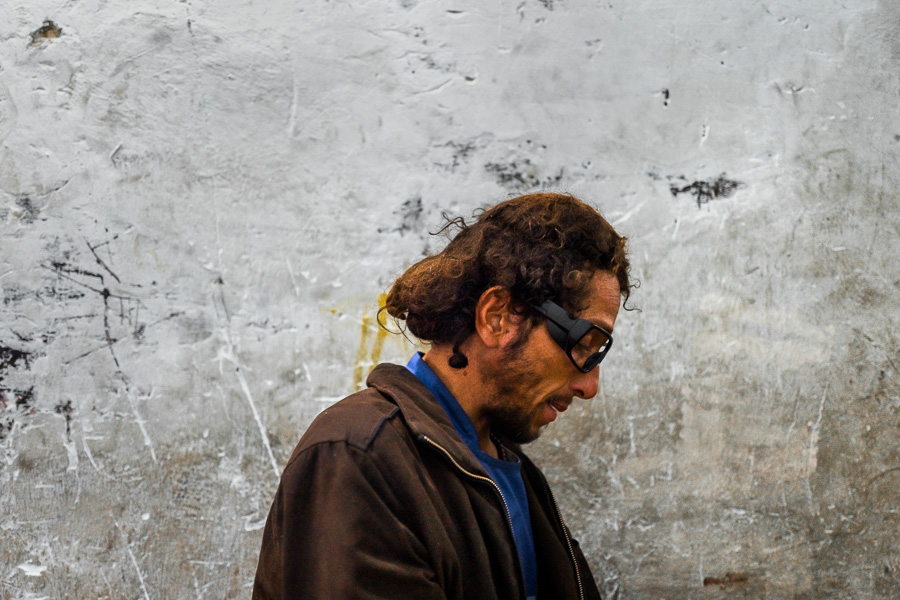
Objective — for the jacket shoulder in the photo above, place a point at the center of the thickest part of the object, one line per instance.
(356, 420)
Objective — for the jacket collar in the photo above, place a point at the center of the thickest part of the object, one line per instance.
(423, 414)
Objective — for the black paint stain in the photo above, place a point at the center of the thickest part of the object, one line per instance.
(29, 210)
(707, 189)
(665, 95)
(66, 410)
(460, 153)
(48, 30)
(516, 174)
(12, 358)
(410, 214)
(510, 173)
(21, 400)
(429, 62)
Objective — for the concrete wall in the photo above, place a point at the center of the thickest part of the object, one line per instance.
(200, 204)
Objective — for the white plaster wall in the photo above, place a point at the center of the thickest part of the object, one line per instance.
(201, 202)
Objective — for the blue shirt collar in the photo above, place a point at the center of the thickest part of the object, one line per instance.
(461, 421)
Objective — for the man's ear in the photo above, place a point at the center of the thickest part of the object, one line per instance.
(495, 321)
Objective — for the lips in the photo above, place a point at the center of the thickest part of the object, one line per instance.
(559, 405)
(552, 408)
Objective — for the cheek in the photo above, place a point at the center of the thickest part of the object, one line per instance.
(538, 370)
(552, 359)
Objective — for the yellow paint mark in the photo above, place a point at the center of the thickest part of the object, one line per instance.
(380, 332)
(361, 352)
(345, 306)
(365, 360)
(150, 251)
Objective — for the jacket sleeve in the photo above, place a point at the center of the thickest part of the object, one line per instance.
(336, 531)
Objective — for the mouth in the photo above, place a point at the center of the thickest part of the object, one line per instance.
(558, 404)
(552, 408)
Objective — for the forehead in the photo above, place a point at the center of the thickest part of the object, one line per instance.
(603, 300)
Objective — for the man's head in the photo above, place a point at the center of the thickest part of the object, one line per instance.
(538, 246)
(526, 379)
(533, 260)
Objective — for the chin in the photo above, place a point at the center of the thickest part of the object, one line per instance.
(521, 435)
(516, 425)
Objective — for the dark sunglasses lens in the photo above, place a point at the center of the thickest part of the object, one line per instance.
(591, 343)
(590, 349)
(592, 362)
(595, 340)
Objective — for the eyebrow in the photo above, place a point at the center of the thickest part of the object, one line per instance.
(599, 324)
(593, 322)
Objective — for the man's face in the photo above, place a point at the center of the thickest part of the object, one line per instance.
(535, 381)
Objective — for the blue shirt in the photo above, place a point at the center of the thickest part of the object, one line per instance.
(506, 474)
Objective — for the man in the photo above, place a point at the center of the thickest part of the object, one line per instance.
(417, 488)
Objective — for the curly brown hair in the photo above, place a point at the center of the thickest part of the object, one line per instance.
(538, 246)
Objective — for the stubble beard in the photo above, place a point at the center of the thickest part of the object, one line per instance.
(512, 423)
(508, 416)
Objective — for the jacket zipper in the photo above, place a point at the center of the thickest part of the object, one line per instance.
(569, 544)
(496, 487)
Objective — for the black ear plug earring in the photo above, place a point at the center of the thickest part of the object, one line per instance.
(457, 360)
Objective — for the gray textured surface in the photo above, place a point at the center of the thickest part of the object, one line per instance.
(200, 205)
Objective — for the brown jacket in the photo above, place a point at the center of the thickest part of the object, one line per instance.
(382, 499)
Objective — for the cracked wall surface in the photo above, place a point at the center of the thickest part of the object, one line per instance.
(201, 207)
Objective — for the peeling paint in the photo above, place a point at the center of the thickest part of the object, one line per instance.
(49, 30)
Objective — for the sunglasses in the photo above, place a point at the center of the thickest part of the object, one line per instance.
(583, 342)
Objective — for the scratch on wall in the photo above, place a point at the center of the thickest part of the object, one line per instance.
(133, 561)
(97, 281)
(142, 424)
(227, 353)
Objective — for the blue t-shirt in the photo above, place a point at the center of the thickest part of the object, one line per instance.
(506, 474)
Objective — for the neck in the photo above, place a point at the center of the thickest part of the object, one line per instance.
(467, 386)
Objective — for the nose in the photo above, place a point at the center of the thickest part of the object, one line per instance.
(585, 385)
